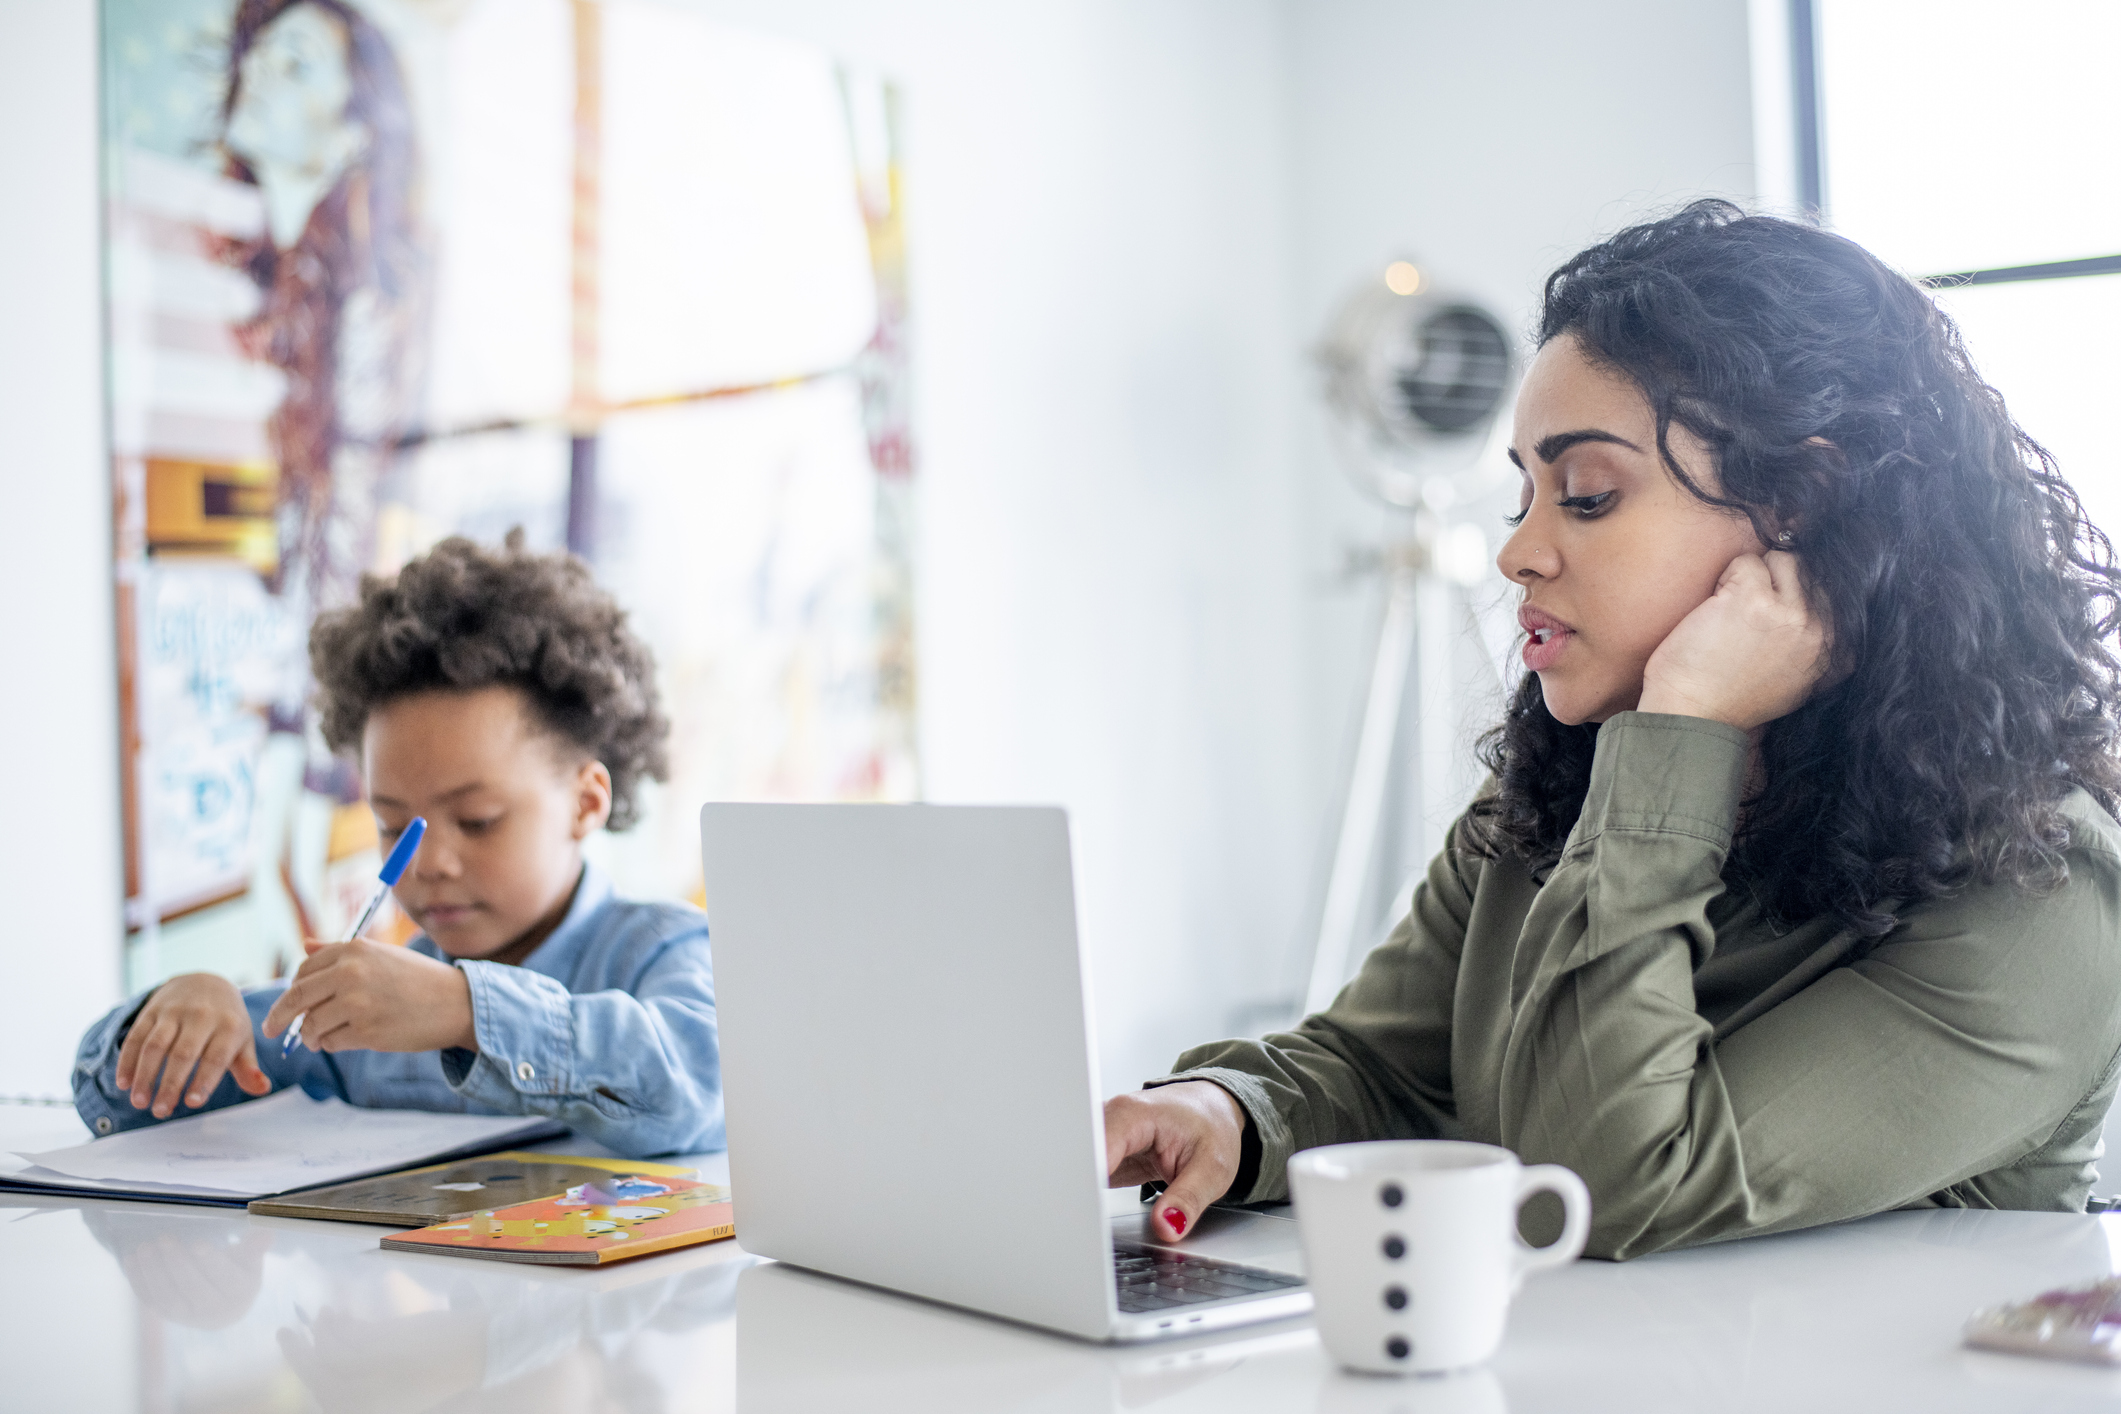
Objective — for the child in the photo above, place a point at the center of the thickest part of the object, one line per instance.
(501, 696)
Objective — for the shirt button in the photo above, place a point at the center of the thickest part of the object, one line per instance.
(525, 1071)
(102, 1124)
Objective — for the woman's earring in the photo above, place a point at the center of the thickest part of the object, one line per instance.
(1783, 539)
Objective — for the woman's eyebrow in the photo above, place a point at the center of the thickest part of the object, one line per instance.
(1553, 446)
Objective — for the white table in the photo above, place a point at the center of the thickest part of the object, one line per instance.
(112, 1306)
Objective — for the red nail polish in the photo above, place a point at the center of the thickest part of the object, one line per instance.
(1176, 1221)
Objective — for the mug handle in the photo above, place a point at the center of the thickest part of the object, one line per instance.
(1576, 1220)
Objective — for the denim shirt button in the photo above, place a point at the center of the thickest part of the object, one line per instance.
(525, 1071)
(103, 1125)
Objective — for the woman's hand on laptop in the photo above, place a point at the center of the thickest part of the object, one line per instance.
(1187, 1136)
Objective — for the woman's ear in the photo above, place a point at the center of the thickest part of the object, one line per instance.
(592, 800)
(1823, 475)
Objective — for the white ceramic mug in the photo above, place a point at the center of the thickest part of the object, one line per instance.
(1411, 1247)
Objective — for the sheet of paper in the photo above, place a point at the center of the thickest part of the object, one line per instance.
(278, 1143)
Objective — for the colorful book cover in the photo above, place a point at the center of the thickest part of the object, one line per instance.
(591, 1224)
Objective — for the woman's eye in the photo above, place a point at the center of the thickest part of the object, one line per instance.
(1585, 506)
(478, 827)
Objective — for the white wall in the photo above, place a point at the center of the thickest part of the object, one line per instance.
(1488, 143)
(59, 868)
(1111, 598)
(1127, 222)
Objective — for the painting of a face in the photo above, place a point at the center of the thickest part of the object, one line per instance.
(384, 282)
(289, 123)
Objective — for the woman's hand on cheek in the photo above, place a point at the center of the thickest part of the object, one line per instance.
(368, 996)
(1749, 653)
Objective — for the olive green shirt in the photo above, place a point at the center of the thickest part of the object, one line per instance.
(1709, 1077)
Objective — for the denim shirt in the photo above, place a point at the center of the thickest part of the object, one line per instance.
(608, 1027)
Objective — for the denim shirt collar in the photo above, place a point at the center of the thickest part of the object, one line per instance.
(557, 955)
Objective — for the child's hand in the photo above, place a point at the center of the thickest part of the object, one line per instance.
(196, 1020)
(368, 996)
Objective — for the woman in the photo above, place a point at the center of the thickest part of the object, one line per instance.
(315, 116)
(1794, 893)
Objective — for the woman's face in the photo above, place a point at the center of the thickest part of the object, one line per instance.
(289, 122)
(1612, 552)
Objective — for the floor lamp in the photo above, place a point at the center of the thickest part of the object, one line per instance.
(1415, 383)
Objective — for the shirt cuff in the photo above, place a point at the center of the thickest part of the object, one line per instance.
(1262, 1167)
(524, 1024)
(1653, 773)
(103, 1107)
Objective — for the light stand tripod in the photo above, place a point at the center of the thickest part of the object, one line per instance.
(1416, 380)
(1422, 575)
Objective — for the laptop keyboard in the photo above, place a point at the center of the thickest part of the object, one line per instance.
(1158, 1278)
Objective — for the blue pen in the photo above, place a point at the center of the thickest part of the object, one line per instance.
(393, 870)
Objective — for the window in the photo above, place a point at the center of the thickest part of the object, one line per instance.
(1983, 141)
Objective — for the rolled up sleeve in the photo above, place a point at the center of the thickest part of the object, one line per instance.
(106, 1109)
(638, 1071)
(1955, 1047)
(1953, 1062)
(1374, 1065)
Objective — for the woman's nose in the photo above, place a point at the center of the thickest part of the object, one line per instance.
(1526, 555)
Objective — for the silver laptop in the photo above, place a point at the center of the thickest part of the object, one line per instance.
(913, 1098)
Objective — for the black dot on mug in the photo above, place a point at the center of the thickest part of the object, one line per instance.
(1396, 1297)
(1390, 1195)
(1398, 1348)
(1395, 1246)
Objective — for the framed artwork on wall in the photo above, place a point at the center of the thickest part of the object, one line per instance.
(383, 271)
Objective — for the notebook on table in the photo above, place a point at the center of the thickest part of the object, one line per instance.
(440, 1193)
(259, 1148)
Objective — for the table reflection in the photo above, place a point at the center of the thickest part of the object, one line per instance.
(197, 1269)
(1467, 1392)
(420, 1338)
(179, 1309)
(807, 1342)
(282, 1314)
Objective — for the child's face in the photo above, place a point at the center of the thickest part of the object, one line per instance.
(508, 805)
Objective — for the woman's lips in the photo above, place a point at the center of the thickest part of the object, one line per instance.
(445, 915)
(1546, 638)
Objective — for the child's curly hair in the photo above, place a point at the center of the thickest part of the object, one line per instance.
(462, 617)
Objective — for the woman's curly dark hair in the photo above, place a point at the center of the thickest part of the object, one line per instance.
(462, 617)
(1971, 603)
